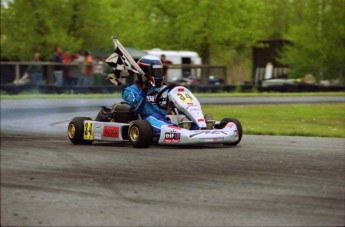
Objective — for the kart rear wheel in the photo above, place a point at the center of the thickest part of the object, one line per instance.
(140, 133)
(225, 121)
(76, 131)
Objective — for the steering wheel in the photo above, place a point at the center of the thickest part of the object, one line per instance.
(159, 98)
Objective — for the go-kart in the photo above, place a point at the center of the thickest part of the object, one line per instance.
(189, 125)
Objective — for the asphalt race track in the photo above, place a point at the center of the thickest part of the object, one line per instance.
(264, 181)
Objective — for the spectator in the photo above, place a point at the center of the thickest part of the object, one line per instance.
(79, 70)
(36, 70)
(67, 59)
(58, 69)
(166, 64)
(76, 70)
(98, 72)
(88, 68)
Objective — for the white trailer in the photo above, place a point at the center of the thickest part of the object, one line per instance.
(179, 58)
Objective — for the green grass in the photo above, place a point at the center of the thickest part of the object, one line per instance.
(321, 120)
(269, 94)
(36, 95)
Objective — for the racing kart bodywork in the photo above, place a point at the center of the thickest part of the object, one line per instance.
(189, 125)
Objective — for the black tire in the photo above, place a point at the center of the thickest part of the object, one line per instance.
(225, 121)
(76, 131)
(140, 133)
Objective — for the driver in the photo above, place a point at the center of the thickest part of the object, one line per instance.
(141, 96)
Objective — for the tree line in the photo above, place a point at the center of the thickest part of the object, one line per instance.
(222, 32)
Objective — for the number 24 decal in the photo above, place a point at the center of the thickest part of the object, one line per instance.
(88, 126)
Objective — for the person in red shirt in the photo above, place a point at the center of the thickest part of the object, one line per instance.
(88, 68)
(67, 59)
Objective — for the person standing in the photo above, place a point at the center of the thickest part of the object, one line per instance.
(67, 59)
(76, 71)
(58, 69)
(166, 64)
(88, 68)
(36, 70)
(98, 72)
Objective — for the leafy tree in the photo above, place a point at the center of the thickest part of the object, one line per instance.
(219, 31)
(317, 33)
(204, 26)
(280, 15)
(30, 26)
(201, 25)
(40, 25)
(222, 32)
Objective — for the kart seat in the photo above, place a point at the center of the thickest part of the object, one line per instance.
(117, 113)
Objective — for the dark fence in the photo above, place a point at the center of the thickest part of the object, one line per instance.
(198, 78)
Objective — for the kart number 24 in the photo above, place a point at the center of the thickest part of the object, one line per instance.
(88, 126)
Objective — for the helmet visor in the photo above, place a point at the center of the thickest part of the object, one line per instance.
(157, 71)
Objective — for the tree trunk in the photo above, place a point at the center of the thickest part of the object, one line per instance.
(205, 59)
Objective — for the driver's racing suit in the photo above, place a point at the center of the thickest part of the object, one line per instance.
(143, 103)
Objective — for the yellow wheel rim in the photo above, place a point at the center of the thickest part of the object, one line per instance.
(134, 133)
(71, 131)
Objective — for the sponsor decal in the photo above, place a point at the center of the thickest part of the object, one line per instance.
(212, 139)
(195, 110)
(110, 131)
(208, 132)
(97, 136)
(172, 137)
(180, 89)
(201, 120)
(152, 97)
(174, 127)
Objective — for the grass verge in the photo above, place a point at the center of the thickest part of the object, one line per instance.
(320, 120)
(37, 95)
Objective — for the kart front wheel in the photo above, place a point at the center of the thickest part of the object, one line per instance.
(225, 121)
(140, 133)
(76, 131)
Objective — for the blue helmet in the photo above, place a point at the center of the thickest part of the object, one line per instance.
(153, 68)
